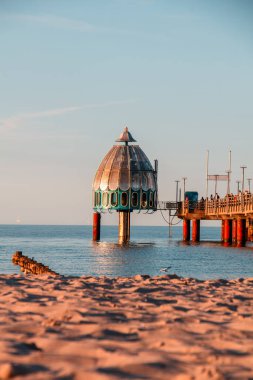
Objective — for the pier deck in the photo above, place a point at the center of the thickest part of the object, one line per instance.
(230, 207)
(235, 212)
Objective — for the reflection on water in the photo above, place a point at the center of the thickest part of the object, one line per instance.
(215, 243)
(69, 250)
(106, 246)
(111, 257)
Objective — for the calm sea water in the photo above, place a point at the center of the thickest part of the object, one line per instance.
(70, 251)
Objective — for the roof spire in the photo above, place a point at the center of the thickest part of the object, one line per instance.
(125, 137)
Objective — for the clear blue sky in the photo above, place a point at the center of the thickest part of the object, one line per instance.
(179, 74)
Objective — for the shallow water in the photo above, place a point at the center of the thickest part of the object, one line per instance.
(69, 250)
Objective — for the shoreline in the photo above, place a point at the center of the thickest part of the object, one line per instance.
(140, 327)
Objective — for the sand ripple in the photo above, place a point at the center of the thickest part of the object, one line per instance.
(142, 327)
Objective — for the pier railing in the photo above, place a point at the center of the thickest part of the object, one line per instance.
(163, 205)
(241, 204)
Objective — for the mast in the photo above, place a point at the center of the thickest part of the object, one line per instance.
(207, 165)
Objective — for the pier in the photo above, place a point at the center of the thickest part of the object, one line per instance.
(126, 181)
(234, 211)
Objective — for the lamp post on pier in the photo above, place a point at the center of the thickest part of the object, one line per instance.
(243, 167)
(177, 182)
(184, 180)
(228, 181)
(238, 186)
(229, 173)
(249, 179)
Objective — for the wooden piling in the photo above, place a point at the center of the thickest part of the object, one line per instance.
(222, 230)
(250, 230)
(186, 229)
(227, 232)
(195, 230)
(28, 265)
(124, 226)
(234, 231)
(96, 226)
(241, 232)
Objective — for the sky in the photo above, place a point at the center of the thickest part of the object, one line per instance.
(74, 73)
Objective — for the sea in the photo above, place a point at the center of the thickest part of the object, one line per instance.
(70, 251)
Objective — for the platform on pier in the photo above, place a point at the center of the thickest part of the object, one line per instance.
(229, 207)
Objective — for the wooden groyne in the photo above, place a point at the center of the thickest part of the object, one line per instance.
(28, 265)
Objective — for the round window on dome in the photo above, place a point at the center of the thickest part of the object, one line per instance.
(98, 199)
(144, 200)
(105, 199)
(114, 199)
(134, 199)
(124, 199)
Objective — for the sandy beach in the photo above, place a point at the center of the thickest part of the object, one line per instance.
(143, 327)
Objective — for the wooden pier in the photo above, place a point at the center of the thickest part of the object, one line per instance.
(234, 211)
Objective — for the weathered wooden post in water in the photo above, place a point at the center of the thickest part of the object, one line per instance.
(195, 230)
(227, 232)
(241, 232)
(96, 226)
(186, 229)
(234, 231)
(125, 181)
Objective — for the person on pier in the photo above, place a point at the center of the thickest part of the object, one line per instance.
(202, 204)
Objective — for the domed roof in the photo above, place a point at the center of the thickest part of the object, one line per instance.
(125, 167)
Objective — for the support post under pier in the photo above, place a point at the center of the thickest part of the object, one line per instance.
(222, 230)
(96, 226)
(227, 232)
(186, 229)
(234, 231)
(241, 232)
(124, 226)
(195, 230)
(250, 230)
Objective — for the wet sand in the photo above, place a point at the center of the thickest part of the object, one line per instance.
(125, 328)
